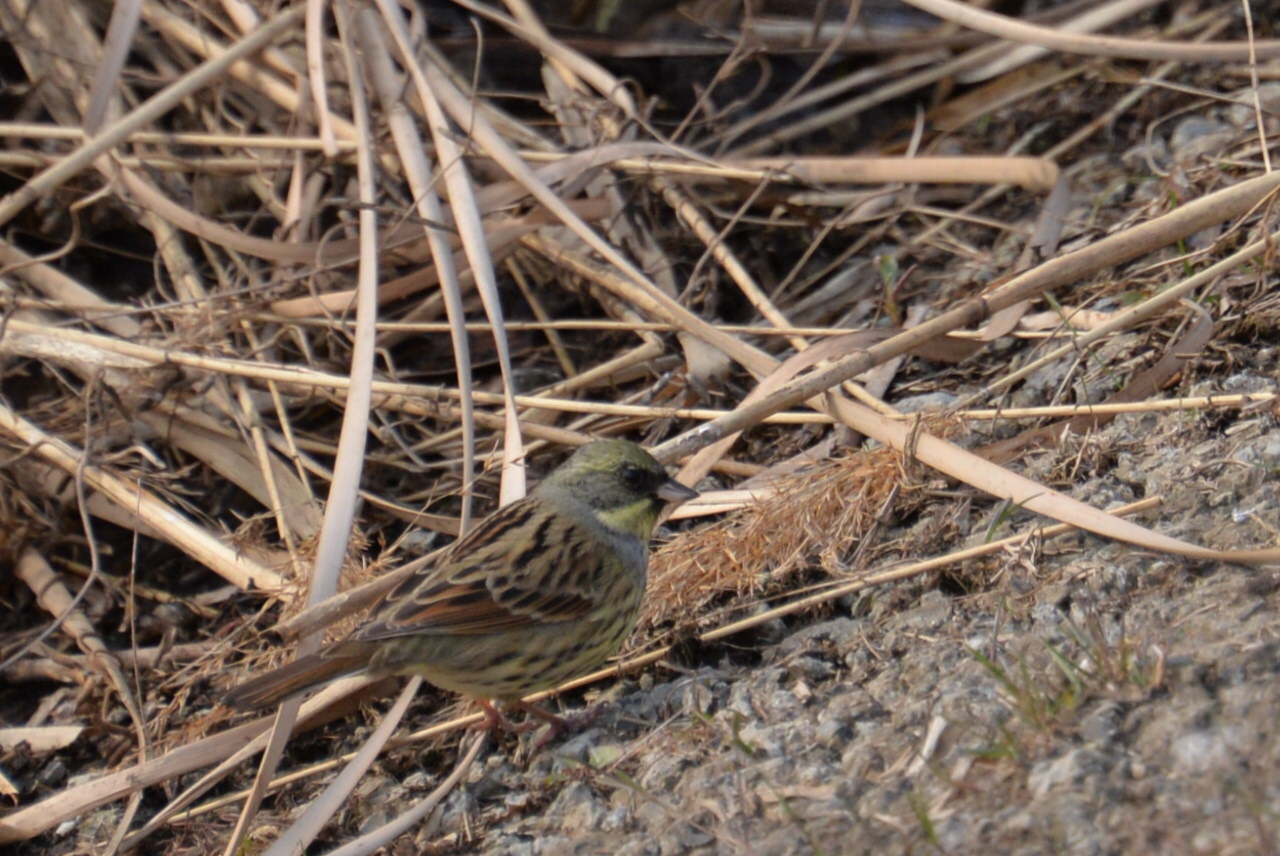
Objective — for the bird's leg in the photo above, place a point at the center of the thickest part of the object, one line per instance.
(556, 724)
(494, 718)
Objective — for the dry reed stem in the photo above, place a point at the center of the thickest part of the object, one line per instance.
(1092, 45)
(72, 165)
(203, 546)
(340, 507)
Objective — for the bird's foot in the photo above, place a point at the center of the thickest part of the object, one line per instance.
(556, 724)
(495, 719)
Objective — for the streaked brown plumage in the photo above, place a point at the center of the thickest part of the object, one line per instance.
(540, 592)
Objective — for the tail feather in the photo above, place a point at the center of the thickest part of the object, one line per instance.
(300, 675)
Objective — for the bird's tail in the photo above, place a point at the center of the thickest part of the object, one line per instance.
(300, 675)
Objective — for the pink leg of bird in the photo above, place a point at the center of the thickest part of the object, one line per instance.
(494, 718)
(556, 724)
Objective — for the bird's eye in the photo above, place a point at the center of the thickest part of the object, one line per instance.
(635, 478)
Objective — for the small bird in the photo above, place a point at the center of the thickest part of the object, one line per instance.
(540, 592)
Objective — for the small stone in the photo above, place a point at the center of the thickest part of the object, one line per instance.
(511, 845)
(928, 401)
(810, 668)
(374, 820)
(53, 774)
(832, 734)
(615, 820)
(553, 845)
(652, 816)
(1196, 137)
(663, 773)
(1199, 752)
(930, 613)
(417, 781)
(1061, 772)
(1099, 724)
(639, 847)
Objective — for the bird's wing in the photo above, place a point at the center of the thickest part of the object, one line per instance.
(525, 565)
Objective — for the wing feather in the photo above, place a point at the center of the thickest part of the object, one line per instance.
(528, 564)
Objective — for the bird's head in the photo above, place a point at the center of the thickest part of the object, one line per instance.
(624, 485)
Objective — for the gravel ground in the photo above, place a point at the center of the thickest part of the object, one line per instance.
(1083, 697)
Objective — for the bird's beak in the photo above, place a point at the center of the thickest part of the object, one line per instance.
(673, 491)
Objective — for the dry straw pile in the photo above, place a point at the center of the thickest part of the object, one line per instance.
(290, 288)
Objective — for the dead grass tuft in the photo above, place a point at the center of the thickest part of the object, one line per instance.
(814, 517)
